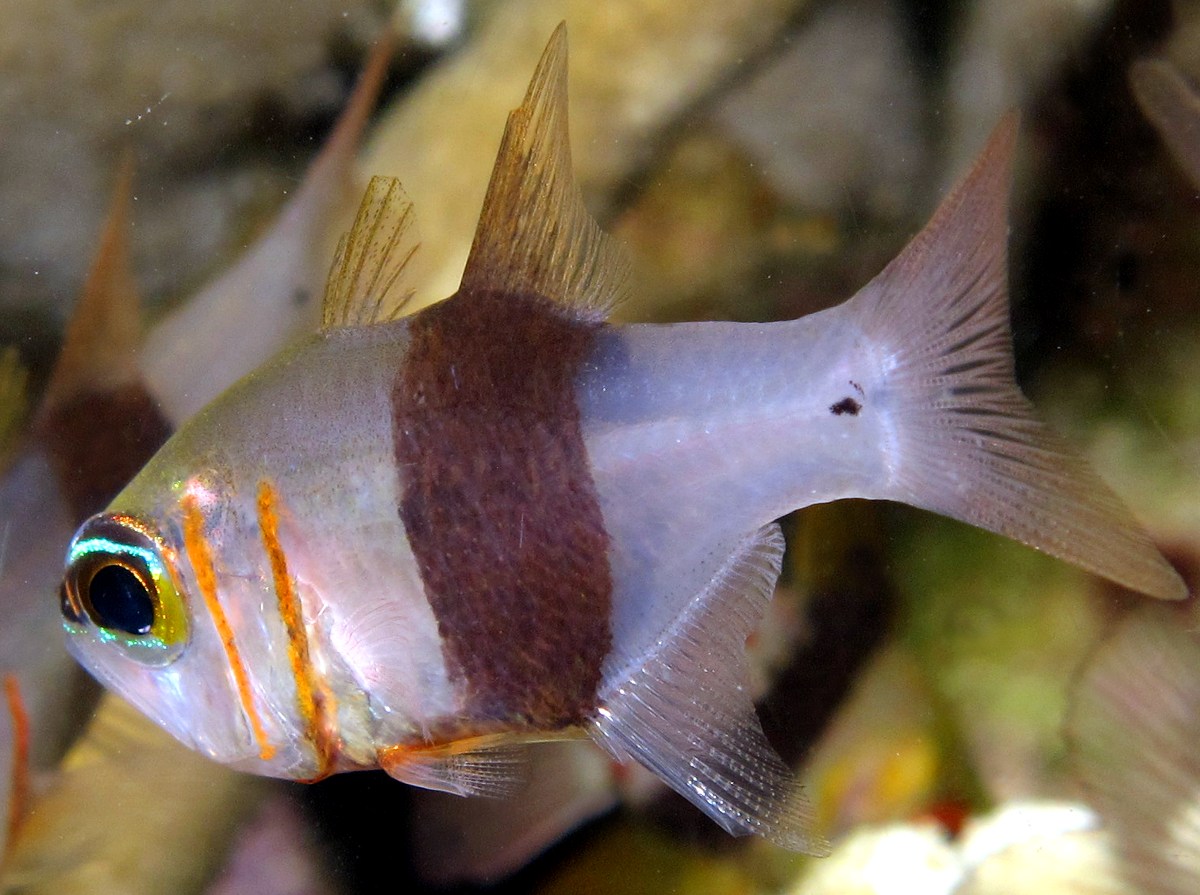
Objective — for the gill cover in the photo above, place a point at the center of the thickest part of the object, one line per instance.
(121, 580)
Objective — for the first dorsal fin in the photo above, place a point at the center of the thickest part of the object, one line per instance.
(534, 233)
(365, 283)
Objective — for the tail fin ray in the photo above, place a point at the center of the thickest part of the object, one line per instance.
(964, 441)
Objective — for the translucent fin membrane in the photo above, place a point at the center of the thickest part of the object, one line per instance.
(477, 766)
(965, 440)
(1133, 728)
(685, 711)
(534, 233)
(484, 840)
(366, 280)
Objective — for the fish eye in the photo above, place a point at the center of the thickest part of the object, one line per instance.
(120, 578)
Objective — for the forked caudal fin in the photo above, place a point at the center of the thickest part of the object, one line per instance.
(963, 440)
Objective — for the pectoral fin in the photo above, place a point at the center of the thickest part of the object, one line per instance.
(489, 765)
(685, 711)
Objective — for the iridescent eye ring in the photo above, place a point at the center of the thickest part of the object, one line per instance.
(120, 578)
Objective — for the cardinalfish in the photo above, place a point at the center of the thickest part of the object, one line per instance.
(63, 468)
(421, 542)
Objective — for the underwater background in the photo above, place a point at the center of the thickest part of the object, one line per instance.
(968, 716)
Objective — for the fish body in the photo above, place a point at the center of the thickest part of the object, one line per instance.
(422, 542)
(669, 504)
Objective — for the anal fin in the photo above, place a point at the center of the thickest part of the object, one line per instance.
(487, 765)
(685, 711)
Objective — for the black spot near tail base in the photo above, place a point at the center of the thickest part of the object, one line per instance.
(846, 405)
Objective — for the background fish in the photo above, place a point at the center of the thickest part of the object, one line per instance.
(107, 383)
(95, 831)
(1132, 727)
(94, 427)
(415, 543)
(1173, 107)
(264, 300)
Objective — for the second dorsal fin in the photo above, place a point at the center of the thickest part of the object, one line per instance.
(534, 233)
(365, 283)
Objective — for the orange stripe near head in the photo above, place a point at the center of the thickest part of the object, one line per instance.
(206, 579)
(313, 696)
(18, 800)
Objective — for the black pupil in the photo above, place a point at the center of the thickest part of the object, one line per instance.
(119, 600)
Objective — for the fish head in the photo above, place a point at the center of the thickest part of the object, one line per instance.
(163, 608)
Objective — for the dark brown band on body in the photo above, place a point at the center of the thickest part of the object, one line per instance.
(499, 505)
(98, 441)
